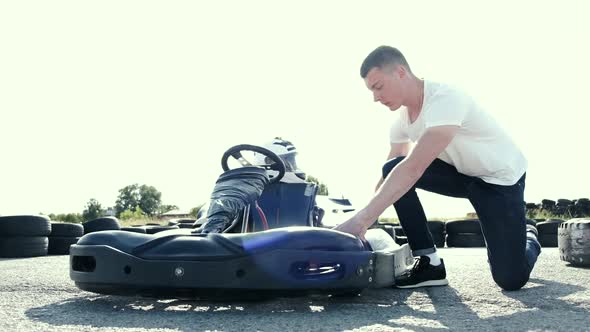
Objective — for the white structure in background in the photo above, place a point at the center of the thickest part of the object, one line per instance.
(336, 210)
(175, 214)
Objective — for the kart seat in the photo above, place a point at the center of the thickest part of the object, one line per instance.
(285, 204)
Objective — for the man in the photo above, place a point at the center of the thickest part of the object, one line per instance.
(460, 151)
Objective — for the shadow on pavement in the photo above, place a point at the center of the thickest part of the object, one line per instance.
(429, 309)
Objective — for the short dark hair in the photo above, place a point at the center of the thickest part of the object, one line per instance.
(383, 56)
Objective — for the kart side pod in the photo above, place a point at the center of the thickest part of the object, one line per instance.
(290, 259)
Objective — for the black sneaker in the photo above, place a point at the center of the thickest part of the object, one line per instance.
(423, 274)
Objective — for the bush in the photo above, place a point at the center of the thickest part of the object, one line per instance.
(75, 218)
(130, 214)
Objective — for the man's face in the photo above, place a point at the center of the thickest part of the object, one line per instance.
(386, 86)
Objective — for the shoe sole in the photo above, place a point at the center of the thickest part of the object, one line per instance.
(429, 283)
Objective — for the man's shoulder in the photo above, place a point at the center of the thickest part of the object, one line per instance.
(442, 92)
(436, 88)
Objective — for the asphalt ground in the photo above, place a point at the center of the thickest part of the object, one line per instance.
(36, 294)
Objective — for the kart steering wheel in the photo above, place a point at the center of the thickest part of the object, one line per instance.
(272, 161)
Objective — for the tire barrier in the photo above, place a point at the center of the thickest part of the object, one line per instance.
(139, 229)
(24, 236)
(573, 241)
(465, 240)
(464, 233)
(575, 208)
(548, 232)
(62, 236)
(101, 224)
(60, 245)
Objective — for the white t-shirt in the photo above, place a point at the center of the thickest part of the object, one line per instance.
(481, 148)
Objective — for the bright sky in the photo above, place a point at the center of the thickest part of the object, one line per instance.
(98, 95)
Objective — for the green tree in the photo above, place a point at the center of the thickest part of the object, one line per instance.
(323, 188)
(128, 199)
(93, 210)
(148, 198)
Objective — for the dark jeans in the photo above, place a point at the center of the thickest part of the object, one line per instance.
(501, 211)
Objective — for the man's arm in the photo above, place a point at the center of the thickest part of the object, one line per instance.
(401, 178)
(408, 171)
(397, 150)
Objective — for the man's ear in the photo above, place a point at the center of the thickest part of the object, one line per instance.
(401, 71)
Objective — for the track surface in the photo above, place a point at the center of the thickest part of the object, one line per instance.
(36, 294)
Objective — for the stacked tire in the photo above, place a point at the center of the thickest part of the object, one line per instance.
(183, 223)
(153, 229)
(575, 208)
(134, 229)
(437, 229)
(548, 232)
(573, 240)
(582, 206)
(399, 235)
(62, 236)
(101, 224)
(24, 236)
(464, 233)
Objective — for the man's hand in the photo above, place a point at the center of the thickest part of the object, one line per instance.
(353, 226)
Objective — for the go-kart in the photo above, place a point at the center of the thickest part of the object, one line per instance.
(260, 235)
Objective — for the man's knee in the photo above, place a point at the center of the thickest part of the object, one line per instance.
(390, 164)
(510, 279)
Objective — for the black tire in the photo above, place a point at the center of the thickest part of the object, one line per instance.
(471, 226)
(465, 240)
(548, 240)
(186, 221)
(436, 227)
(134, 229)
(401, 240)
(573, 240)
(60, 245)
(564, 202)
(101, 224)
(549, 226)
(439, 240)
(23, 246)
(31, 225)
(156, 229)
(66, 229)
